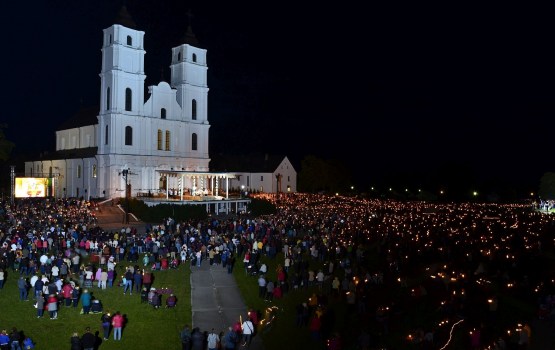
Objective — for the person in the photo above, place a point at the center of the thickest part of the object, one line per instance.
(147, 279)
(117, 323)
(230, 339)
(263, 269)
(106, 320)
(1, 278)
(75, 341)
(52, 305)
(4, 340)
(185, 337)
(197, 339)
(15, 338)
(67, 290)
(248, 331)
(75, 294)
(171, 301)
(96, 306)
(144, 295)
(212, 340)
(22, 285)
(86, 299)
(28, 343)
(40, 305)
(128, 282)
(88, 339)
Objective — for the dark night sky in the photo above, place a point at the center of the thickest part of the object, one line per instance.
(393, 88)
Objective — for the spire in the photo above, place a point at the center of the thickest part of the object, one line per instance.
(124, 18)
(189, 37)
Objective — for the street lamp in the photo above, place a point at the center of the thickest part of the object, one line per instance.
(125, 174)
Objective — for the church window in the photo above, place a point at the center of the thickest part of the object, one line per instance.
(179, 56)
(129, 40)
(79, 171)
(128, 136)
(159, 139)
(261, 178)
(194, 57)
(106, 135)
(194, 145)
(194, 109)
(163, 113)
(110, 40)
(168, 139)
(94, 172)
(128, 96)
(108, 98)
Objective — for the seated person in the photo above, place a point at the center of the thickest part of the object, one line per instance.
(171, 301)
(96, 306)
(154, 298)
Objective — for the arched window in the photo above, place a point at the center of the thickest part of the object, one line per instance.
(168, 140)
(194, 109)
(159, 140)
(194, 146)
(108, 98)
(94, 172)
(163, 113)
(179, 56)
(194, 57)
(128, 136)
(128, 97)
(79, 171)
(106, 135)
(129, 40)
(110, 38)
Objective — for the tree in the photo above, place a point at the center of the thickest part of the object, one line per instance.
(323, 175)
(6, 146)
(547, 186)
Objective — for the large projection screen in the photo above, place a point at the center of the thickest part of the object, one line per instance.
(30, 187)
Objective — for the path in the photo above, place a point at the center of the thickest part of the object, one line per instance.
(215, 297)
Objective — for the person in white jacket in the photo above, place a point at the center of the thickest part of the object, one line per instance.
(248, 331)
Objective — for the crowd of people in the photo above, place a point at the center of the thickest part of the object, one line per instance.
(344, 248)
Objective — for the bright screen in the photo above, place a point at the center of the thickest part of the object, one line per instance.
(27, 187)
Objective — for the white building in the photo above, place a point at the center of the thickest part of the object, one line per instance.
(130, 141)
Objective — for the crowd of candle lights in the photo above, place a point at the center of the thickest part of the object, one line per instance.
(462, 257)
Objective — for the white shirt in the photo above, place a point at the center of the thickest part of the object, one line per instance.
(248, 327)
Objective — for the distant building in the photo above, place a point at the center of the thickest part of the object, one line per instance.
(258, 173)
(129, 144)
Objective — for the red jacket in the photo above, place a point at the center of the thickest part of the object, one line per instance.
(67, 290)
(117, 321)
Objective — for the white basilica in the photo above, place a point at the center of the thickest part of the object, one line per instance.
(135, 140)
(157, 146)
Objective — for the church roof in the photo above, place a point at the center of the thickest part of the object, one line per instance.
(125, 19)
(75, 153)
(252, 163)
(84, 117)
(190, 37)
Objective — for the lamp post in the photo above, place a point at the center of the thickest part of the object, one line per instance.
(125, 174)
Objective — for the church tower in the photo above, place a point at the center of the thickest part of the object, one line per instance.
(189, 78)
(122, 81)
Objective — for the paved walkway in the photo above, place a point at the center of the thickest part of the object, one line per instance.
(215, 298)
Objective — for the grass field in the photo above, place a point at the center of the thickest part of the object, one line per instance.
(146, 328)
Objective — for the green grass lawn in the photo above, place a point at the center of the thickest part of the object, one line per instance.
(146, 328)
